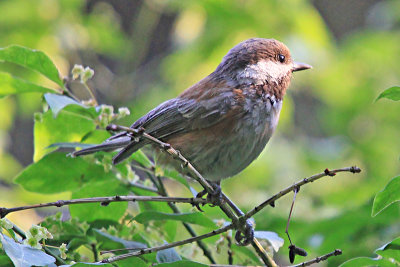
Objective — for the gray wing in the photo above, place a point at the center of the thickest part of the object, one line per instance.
(176, 116)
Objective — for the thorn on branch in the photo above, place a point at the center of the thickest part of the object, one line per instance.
(272, 204)
(105, 203)
(338, 251)
(60, 203)
(112, 127)
(354, 169)
(329, 173)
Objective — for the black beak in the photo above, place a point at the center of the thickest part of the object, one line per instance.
(300, 66)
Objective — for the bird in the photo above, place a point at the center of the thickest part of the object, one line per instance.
(223, 122)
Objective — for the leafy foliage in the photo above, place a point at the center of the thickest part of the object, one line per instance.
(329, 118)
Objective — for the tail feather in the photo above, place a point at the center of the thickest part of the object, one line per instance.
(128, 150)
(106, 146)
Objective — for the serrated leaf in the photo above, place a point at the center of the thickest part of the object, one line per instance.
(59, 102)
(193, 218)
(31, 59)
(56, 173)
(167, 255)
(390, 250)
(23, 255)
(122, 242)
(95, 211)
(10, 85)
(386, 197)
(272, 237)
(392, 93)
(67, 127)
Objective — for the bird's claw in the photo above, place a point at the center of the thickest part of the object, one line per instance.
(215, 198)
(244, 238)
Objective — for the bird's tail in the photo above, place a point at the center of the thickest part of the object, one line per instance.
(128, 144)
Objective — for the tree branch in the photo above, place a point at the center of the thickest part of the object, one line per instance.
(337, 252)
(166, 246)
(271, 200)
(105, 201)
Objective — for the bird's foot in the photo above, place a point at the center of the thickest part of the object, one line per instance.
(215, 198)
(243, 238)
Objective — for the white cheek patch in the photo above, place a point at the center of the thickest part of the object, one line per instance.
(264, 70)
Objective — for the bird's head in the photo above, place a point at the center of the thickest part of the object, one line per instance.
(259, 61)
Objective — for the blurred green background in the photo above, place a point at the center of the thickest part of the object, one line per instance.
(146, 51)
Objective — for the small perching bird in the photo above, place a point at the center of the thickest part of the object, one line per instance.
(223, 122)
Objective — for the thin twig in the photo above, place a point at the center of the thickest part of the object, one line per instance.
(271, 200)
(105, 201)
(166, 246)
(90, 93)
(337, 252)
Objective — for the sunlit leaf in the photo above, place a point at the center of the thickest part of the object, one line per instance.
(66, 127)
(194, 218)
(10, 85)
(386, 197)
(392, 93)
(58, 102)
(31, 59)
(56, 173)
(23, 255)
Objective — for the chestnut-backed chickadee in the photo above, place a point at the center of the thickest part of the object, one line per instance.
(223, 122)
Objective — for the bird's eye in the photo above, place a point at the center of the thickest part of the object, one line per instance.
(281, 58)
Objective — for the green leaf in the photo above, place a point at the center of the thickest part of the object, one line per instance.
(5, 261)
(10, 85)
(95, 211)
(386, 197)
(193, 218)
(175, 175)
(180, 263)
(56, 173)
(392, 93)
(23, 255)
(364, 261)
(133, 261)
(86, 264)
(58, 102)
(113, 242)
(141, 158)
(168, 255)
(67, 127)
(31, 59)
(391, 250)
(272, 238)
